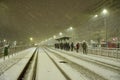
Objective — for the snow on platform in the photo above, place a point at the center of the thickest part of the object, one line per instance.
(18, 63)
(110, 75)
(72, 73)
(109, 60)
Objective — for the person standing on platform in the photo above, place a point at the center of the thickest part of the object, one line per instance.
(84, 46)
(72, 46)
(6, 47)
(77, 47)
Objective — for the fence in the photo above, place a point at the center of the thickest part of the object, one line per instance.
(109, 52)
(12, 50)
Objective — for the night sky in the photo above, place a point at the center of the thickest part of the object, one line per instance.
(40, 19)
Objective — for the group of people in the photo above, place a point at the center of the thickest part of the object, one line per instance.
(70, 46)
(83, 46)
(63, 46)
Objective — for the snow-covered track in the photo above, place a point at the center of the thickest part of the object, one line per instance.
(111, 70)
(90, 75)
(62, 71)
(29, 71)
(97, 62)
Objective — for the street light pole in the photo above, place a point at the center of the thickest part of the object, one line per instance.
(70, 29)
(31, 40)
(105, 24)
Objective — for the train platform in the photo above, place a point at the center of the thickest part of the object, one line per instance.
(96, 66)
(11, 68)
(54, 64)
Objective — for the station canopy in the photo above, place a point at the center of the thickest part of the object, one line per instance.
(63, 38)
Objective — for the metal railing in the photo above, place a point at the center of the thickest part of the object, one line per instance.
(12, 50)
(109, 52)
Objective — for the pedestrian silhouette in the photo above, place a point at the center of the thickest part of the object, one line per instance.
(72, 46)
(84, 46)
(77, 47)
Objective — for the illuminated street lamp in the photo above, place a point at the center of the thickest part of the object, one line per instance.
(60, 33)
(92, 18)
(54, 37)
(71, 28)
(105, 12)
(95, 16)
(31, 39)
(4, 40)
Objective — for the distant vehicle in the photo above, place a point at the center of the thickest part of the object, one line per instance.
(110, 44)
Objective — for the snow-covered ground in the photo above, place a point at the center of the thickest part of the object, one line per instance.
(112, 61)
(46, 70)
(12, 67)
(107, 71)
(54, 64)
(72, 73)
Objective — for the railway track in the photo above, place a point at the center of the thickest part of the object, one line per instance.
(61, 61)
(113, 71)
(89, 75)
(99, 63)
(62, 71)
(29, 72)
